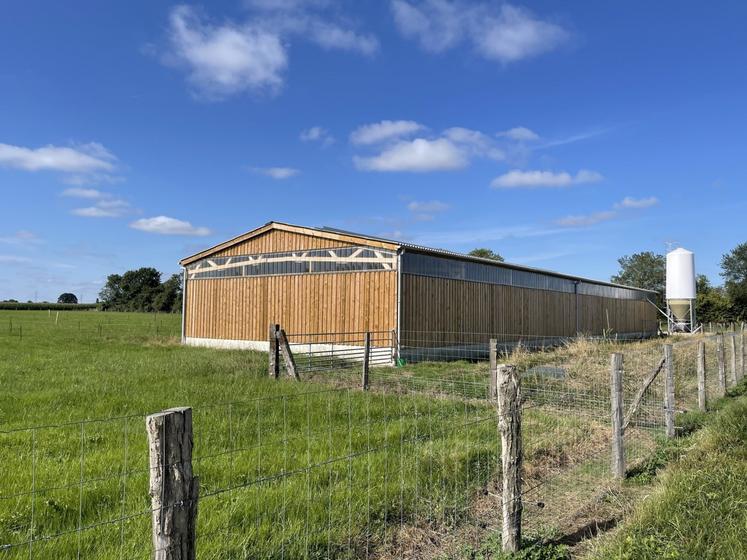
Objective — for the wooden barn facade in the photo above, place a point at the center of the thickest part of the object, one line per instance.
(322, 280)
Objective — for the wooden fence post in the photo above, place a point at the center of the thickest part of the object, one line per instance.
(669, 391)
(509, 425)
(616, 387)
(366, 359)
(395, 348)
(702, 398)
(742, 369)
(733, 359)
(493, 354)
(288, 360)
(274, 365)
(173, 487)
(721, 365)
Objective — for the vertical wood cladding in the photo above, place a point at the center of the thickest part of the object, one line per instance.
(278, 241)
(242, 308)
(457, 306)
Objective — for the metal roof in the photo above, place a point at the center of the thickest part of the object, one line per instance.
(404, 245)
(462, 256)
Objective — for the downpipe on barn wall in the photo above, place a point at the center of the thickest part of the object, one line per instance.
(184, 302)
(400, 251)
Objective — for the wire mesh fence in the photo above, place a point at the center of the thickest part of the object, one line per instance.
(327, 473)
(325, 352)
(328, 470)
(78, 327)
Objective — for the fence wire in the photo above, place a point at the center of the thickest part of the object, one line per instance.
(329, 470)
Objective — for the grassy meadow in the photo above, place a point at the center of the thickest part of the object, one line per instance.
(286, 470)
(315, 469)
(697, 507)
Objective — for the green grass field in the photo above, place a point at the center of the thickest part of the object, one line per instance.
(698, 508)
(287, 470)
(353, 462)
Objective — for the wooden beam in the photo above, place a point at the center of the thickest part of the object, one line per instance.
(288, 360)
(509, 426)
(173, 486)
(387, 262)
(616, 388)
(669, 390)
(334, 236)
(639, 395)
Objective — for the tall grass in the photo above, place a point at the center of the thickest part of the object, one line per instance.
(699, 509)
(287, 470)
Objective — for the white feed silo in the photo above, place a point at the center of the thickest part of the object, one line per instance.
(680, 294)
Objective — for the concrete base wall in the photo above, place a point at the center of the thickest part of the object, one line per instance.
(301, 351)
(226, 344)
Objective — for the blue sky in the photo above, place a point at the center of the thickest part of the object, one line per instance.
(562, 135)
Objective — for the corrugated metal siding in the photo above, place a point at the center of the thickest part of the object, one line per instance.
(459, 306)
(444, 267)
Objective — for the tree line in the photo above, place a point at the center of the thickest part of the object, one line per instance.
(717, 304)
(142, 290)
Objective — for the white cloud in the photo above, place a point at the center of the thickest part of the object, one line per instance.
(236, 57)
(606, 215)
(383, 131)
(77, 192)
(277, 172)
(331, 36)
(451, 149)
(92, 179)
(427, 206)
(520, 134)
(93, 212)
(540, 257)
(307, 19)
(586, 219)
(424, 211)
(317, 134)
(164, 225)
(83, 158)
(515, 34)
(106, 206)
(13, 259)
(419, 155)
(21, 237)
(629, 202)
(475, 142)
(226, 59)
(475, 235)
(573, 138)
(517, 179)
(284, 5)
(500, 32)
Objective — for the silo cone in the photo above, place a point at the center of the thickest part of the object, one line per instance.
(680, 309)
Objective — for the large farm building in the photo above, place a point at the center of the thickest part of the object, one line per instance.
(322, 280)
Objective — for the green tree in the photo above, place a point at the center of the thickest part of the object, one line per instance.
(169, 297)
(484, 253)
(141, 290)
(135, 290)
(67, 297)
(711, 302)
(643, 270)
(111, 295)
(734, 273)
